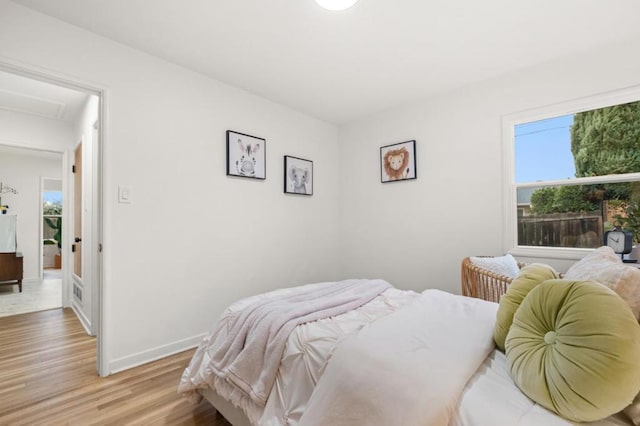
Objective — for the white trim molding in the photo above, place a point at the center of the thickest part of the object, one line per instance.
(81, 316)
(153, 354)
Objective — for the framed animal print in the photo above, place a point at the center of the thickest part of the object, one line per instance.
(298, 176)
(246, 155)
(398, 162)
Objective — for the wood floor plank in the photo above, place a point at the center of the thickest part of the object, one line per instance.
(48, 377)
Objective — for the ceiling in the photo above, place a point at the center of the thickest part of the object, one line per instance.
(27, 96)
(340, 66)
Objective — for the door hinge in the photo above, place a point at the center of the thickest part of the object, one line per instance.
(100, 248)
(73, 168)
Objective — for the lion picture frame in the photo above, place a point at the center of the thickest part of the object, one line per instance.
(298, 176)
(398, 162)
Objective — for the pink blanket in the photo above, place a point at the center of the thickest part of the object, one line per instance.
(244, 352)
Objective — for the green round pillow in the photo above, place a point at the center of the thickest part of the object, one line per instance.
(529, 277)
(574, 348)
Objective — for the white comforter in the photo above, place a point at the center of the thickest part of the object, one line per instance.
(243, 353)
(490, 396)
(408, 368)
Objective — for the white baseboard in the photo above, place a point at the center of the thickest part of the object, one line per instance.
(154, 354)
(83, 319)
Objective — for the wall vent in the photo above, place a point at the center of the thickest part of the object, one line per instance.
(77, 292)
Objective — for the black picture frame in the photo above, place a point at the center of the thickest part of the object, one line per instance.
(398, 162)
(298, 176)
(246, 155)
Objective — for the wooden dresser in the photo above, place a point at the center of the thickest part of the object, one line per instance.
(11, 269)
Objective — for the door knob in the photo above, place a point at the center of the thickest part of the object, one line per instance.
(78, 239)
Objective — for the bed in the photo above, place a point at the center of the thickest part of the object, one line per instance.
(337, 370)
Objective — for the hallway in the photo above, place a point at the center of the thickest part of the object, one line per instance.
(36, 295)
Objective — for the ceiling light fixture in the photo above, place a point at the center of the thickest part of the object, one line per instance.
(336, 4)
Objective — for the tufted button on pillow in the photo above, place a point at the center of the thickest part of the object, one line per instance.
(574, 348)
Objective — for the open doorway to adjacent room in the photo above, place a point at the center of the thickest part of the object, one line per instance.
(52, 210)
(23, 215)
(50, 153)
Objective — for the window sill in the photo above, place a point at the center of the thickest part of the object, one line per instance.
(550, 252)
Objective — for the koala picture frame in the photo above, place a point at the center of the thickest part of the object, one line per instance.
(298, 176)
(398, 162)
(246, 155)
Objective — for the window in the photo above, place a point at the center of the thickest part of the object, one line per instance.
(52, 217)
(574, 175)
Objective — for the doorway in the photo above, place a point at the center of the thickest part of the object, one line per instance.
(34, 228)
(51, 226)
(51, 237)
(65, 113)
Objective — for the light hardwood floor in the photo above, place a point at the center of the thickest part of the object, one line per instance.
(48, 377)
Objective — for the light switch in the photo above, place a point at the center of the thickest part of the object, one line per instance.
(124, 194)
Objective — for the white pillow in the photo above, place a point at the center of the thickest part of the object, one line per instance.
(503, 265)
(605, 267)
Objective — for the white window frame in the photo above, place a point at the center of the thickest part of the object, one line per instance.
(510, 211)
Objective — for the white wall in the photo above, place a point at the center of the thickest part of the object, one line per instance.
(22, 169)
(415, 233)
(30, 131)
(192, 240)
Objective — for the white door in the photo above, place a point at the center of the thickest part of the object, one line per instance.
(79, 294)
(85, 247)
